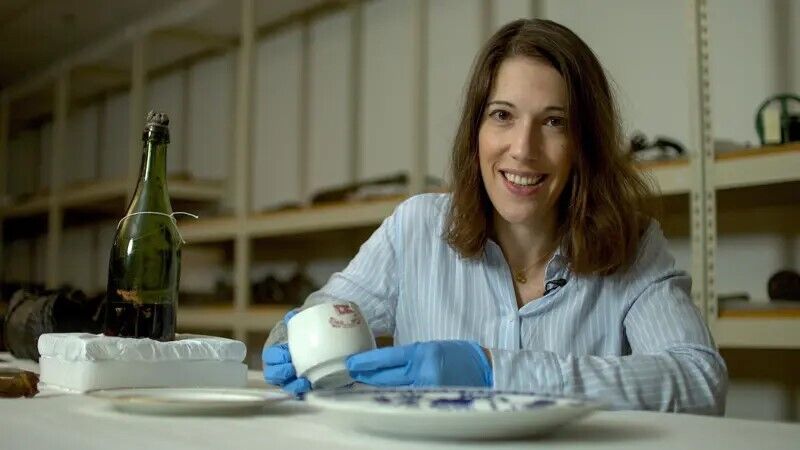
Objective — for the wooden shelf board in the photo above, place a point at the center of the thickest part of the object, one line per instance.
(758, 166)
(762, 313)
(322, 217)
(97, 191)
(255, 318)
(196, 190)
(208, 230)
(660, 164)
(89, 193)
(671, 177)
(756, 152)
(38, 204)
(756, 332)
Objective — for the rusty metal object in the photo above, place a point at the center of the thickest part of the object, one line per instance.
(18, 383)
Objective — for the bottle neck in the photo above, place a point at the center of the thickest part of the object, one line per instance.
(151, 191)
(154, 161)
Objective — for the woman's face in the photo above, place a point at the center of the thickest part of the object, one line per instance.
(524, 151)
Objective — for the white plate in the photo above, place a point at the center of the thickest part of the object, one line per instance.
(190, 401)
(451, 413)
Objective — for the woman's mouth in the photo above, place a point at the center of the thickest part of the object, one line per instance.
(523, 185)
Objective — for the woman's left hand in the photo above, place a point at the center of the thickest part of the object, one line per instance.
(435, 363)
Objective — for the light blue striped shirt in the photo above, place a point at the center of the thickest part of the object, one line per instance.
(634, 339)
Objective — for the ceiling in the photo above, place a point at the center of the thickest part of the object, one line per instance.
(35, 33)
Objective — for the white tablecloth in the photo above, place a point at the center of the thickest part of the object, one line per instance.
(68, 421)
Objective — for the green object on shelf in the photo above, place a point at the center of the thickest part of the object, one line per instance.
(789, 124)
(145, 264)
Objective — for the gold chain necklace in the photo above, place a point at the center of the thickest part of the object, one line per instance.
(521, 276)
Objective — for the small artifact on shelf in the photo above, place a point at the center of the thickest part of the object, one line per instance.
(784, 285)
(294, 291)
(660, 149)
(18, 383)
(33, 312)
(776, 121)
(370, 189)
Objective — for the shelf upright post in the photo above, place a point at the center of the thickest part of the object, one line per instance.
(304, 113)
(136, 110)
(5, 111)
(419, 154)
(243, 114)
(537, 9)
(356, 71)
(55, 216)
(702, 190)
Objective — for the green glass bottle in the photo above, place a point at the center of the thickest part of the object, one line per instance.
(145, 265)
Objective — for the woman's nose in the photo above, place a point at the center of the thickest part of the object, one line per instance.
(525, 144)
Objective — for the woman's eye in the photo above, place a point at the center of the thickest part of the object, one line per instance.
(500, 115)
(557, 122)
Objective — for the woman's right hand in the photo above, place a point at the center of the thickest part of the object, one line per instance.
(278, 367)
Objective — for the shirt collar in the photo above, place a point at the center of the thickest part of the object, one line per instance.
(557, 266)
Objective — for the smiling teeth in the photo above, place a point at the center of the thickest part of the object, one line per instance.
(523, 181)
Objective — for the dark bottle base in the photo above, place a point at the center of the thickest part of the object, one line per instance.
(154, 321)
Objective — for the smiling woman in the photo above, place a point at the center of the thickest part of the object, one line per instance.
(540, 271)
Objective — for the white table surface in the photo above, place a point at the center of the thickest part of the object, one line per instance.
(70, 421)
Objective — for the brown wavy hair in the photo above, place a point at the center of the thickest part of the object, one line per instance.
(602, 212)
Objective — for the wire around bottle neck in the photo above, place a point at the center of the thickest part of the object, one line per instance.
(171, 216)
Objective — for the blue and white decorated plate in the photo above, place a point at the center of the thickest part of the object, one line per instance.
(451, 413)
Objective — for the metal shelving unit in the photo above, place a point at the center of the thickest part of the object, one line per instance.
(713, 173)
(196, 29)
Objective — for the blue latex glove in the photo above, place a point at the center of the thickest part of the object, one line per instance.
(278, 367)
(435, 363)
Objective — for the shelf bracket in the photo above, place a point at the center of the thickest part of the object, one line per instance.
(702, 190)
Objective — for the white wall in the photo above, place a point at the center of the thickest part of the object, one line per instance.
(166, 94)
(749, 66)
(330, 103)
(505, 11)
(77, 257)
(18, 262)
(650, 77)
(210, 117)
(114, 149)
(454, 34)
(749, 399)
(386, 112)
(80, 160)
(23, 155)
(745, 262)
(276, 149)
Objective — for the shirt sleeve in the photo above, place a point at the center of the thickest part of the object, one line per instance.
(673, 363)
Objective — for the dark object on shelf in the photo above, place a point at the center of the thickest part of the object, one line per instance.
(784, 285)
(780, 129)
(293, 291)
(381, 187)
(734, 297)
(32, 313)
(7, 290)
(660, 149)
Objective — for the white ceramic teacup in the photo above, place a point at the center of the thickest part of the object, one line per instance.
(322, 337)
